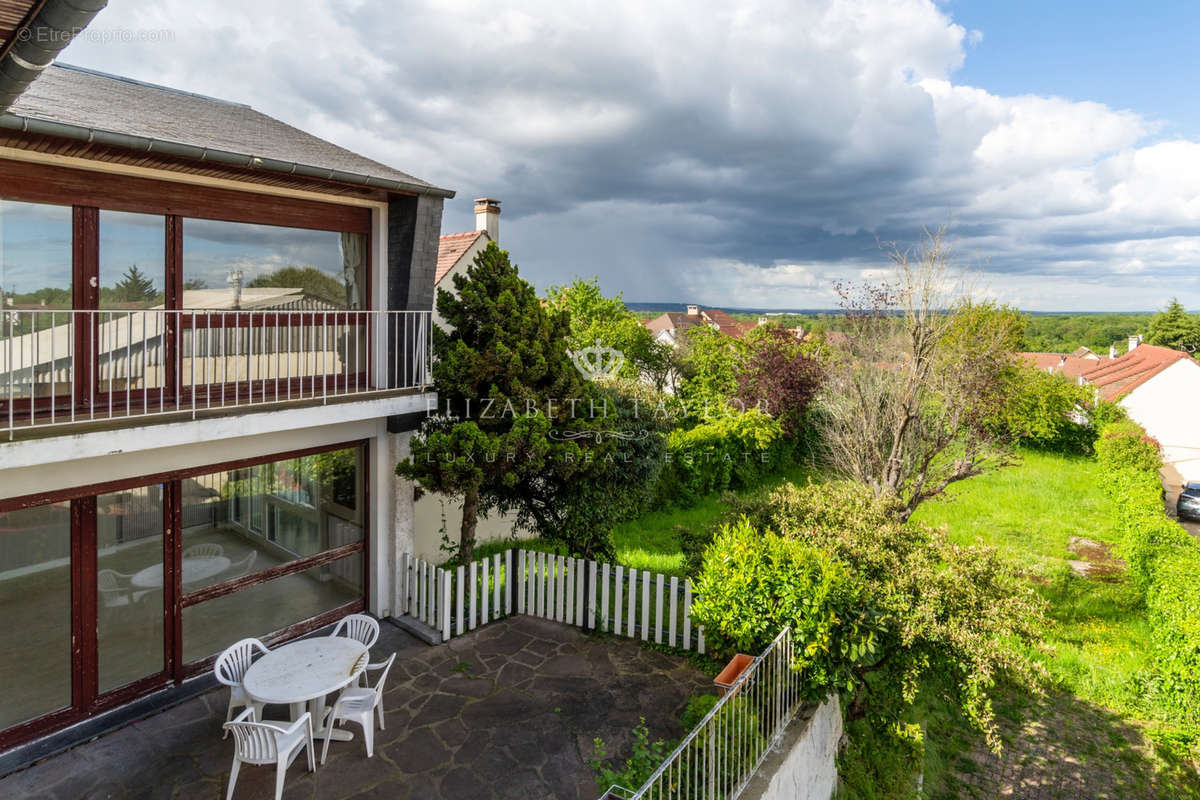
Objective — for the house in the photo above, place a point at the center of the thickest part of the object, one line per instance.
(1158, 387)
(457, 251)
(670, 327)
(1069, 365)
(207, 453)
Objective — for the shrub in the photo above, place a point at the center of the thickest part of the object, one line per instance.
(1173, 602)
(754, 583)
(867, 595)
(731, 451)
(1125, 445)
(1164, 563)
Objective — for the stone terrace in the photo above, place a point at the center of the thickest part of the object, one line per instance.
(508, 711)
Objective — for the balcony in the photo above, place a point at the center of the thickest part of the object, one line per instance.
(61, 369)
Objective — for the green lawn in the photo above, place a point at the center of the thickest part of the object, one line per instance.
(649, 542)
(1098, 651)
(1030, 510)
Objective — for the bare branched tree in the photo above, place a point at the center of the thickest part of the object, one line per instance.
(904, 412)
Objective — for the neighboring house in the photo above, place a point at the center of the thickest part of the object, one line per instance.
(1159, 388)
(457, 251)
(176, 478)
(1070, 366)
(670, 327)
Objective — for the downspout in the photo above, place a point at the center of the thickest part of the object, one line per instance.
(35, 43)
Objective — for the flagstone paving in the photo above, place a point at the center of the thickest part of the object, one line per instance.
(508, 711)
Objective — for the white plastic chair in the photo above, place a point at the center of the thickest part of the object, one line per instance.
(269, 742)
(231, 667)
(205, 550)
(359, 705)
(114, 587)
(359, 627)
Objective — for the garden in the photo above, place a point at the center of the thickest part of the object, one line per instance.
(973, 553)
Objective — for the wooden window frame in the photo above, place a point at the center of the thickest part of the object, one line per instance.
(86, 699)
(88, 192)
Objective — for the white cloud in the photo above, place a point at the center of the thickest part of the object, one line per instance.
(742, 154)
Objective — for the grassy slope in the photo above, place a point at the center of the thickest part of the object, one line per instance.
(1030, 511)
(1098, 653)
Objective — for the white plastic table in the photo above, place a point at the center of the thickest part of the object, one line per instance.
(305, 671)
(194, 571)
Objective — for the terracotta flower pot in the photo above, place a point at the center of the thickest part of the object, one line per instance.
(733, 670)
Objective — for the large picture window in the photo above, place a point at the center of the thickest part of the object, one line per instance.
(107, 595)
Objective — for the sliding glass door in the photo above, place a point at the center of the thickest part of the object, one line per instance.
(108, 595)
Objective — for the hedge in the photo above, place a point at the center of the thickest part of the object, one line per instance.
(733, 451)
(1164, 562)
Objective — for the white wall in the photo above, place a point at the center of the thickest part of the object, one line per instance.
(1168, 407)
(804, 764)
(428, 515)
(460, 266)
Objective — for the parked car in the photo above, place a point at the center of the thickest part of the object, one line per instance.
(1188, 504)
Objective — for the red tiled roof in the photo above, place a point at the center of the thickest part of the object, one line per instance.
(451, 248)
(1070, 366)
(1120, 376)
(725, 323)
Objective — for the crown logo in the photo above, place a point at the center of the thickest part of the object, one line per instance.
(598, 361)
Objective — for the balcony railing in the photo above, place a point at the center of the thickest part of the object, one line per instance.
(70, 367)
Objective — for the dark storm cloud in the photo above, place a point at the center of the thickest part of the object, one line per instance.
(727, 153)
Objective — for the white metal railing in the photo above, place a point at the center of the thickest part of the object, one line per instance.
(65, 367)
(717, 759)
(574, 591)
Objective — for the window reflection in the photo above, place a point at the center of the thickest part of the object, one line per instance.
(239, 266)
(129, 585)
(35, 612)
(213, 625)
(35, 256)
(132, 252)
(261, 516)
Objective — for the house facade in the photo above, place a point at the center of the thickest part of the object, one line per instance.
(1158, 387)
(214, 347)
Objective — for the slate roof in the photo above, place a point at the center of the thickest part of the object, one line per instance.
(1119, 376)
(451, 248)
(86, 99)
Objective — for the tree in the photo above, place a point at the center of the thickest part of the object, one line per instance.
(596, 318)
(905, 414)
(504, 380)
(1174, 327)
(708, 364)
(615, 478)
(778, 376)
(134, 287)
(311, 280)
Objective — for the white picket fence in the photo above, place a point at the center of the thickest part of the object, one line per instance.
(573, 591)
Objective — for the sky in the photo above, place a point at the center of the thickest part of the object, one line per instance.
(747, 154)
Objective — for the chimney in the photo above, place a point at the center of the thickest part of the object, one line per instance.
(487, 217)
(693, 310)
(1112, 351)
(1134, 341)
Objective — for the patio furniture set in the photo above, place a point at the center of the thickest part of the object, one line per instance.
(301, 675)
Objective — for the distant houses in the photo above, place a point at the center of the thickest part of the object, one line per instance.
(1157, 386)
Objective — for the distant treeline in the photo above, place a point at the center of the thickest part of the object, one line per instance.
(1044, 333)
